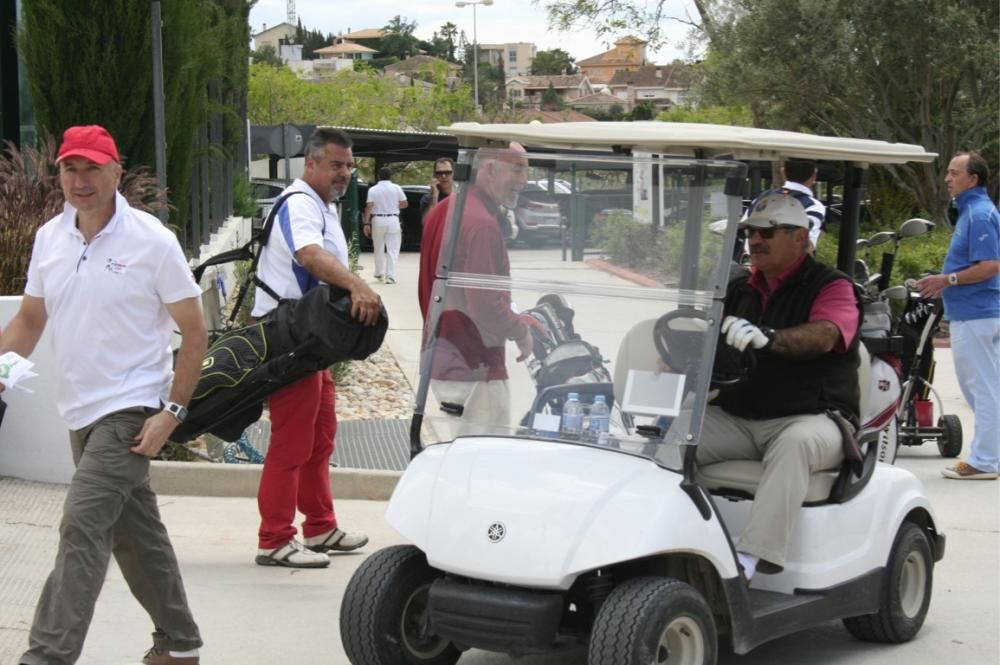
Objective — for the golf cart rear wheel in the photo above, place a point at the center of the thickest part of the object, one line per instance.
(906, 591)
(950, 442)
(383, 618)
(654, 616)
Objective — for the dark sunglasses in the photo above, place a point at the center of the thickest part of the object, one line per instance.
(767, 232)
(442, 174)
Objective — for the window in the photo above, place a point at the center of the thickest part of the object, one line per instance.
(512, 55)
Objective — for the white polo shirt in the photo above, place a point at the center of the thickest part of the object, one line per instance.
(386, 196)
(302, 220)
(105, 303)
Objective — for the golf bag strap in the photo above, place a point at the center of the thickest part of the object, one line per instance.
(261, 240)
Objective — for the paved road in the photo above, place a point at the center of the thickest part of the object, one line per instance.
(262, 616)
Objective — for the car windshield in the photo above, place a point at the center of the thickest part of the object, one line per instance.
(625, 312)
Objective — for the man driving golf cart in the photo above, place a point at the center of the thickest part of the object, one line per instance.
(801, 319)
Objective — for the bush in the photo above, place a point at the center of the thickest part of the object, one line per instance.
(244, 204)
(30, 195)
(626, 242)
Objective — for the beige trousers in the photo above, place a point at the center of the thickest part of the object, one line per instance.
(791, 449)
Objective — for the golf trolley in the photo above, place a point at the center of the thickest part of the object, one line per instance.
(525, 537)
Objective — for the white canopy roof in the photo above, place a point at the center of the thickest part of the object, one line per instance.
(688, 139)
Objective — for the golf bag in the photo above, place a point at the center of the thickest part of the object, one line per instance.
(298, 337)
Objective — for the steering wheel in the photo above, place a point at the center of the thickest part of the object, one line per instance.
(679, 338)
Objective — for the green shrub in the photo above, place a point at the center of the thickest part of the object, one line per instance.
(672, 242)
(625, 241)
(244, 204)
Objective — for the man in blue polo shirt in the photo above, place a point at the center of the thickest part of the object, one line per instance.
(969, 285)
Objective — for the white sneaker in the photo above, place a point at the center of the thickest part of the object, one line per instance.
(292, 555)
(336, 541)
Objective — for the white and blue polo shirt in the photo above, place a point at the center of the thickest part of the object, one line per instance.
(301, 221)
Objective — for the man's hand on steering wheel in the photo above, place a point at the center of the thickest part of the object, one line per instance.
(740, 333)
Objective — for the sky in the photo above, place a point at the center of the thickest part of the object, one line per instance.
(504, 21)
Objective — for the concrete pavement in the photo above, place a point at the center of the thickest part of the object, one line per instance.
(251, 615)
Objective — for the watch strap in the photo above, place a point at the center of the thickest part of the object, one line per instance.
(176, 410)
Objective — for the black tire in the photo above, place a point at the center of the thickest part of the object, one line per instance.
(654, 617)
(383, 615)
(950, 442)
(888, 442)
(906, 591)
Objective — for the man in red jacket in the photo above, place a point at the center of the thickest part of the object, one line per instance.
(469, 364)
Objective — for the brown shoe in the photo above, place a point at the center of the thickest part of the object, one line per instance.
(963, 471)
(158, 656)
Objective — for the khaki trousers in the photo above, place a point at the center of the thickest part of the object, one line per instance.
(109, 509)
(790, 448)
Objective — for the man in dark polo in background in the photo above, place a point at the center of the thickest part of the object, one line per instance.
(442, 185)
(802, 319)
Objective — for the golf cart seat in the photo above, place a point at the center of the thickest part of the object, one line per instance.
(740, 478)
(636, 351)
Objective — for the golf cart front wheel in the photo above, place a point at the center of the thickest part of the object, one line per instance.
(654, 616)
(950, 442)
(383, 617)
(906, 591)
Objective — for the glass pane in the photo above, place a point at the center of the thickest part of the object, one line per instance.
(558, 274)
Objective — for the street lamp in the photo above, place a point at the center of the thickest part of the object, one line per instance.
(475, 45)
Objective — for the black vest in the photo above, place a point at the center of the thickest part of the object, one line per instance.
(783, 386)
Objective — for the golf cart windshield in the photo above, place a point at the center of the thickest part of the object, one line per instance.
(633, 324)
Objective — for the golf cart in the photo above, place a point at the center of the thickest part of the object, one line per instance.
(532, 531)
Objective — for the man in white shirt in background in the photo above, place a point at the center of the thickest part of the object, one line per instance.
(385, 200)
(800, 176)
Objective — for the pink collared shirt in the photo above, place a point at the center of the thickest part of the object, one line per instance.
(835, 303)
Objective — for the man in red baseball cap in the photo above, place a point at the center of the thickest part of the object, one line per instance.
(112, 283)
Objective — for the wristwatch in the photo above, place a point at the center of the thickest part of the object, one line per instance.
(769, 334)
(176, 410)
(953, 279)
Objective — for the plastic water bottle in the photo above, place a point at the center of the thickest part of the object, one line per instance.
(600, 419)
(572, 416)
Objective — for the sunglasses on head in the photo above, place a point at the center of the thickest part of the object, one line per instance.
(442, 174)
(767, 232)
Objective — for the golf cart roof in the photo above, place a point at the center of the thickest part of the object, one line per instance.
(688, 139)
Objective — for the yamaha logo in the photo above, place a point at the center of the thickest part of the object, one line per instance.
(496, 532)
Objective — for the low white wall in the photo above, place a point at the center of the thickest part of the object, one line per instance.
(34, 440)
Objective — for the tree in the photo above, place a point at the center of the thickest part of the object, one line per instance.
(554, 62)
(399, 41)
(266, 55)
(643, 111)
(204, 46)
(357, 98)
(552, 100)
(912, 71)
(310, 40)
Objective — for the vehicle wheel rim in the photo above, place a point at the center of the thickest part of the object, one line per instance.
(415, 629)
(682, 643)
(913, 584)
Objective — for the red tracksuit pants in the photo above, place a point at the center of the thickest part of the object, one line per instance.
(297, 466)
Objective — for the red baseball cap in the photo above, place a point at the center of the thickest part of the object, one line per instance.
(91, 142)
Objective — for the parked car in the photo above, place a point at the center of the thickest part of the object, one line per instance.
(537, 214)
(265, 191)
